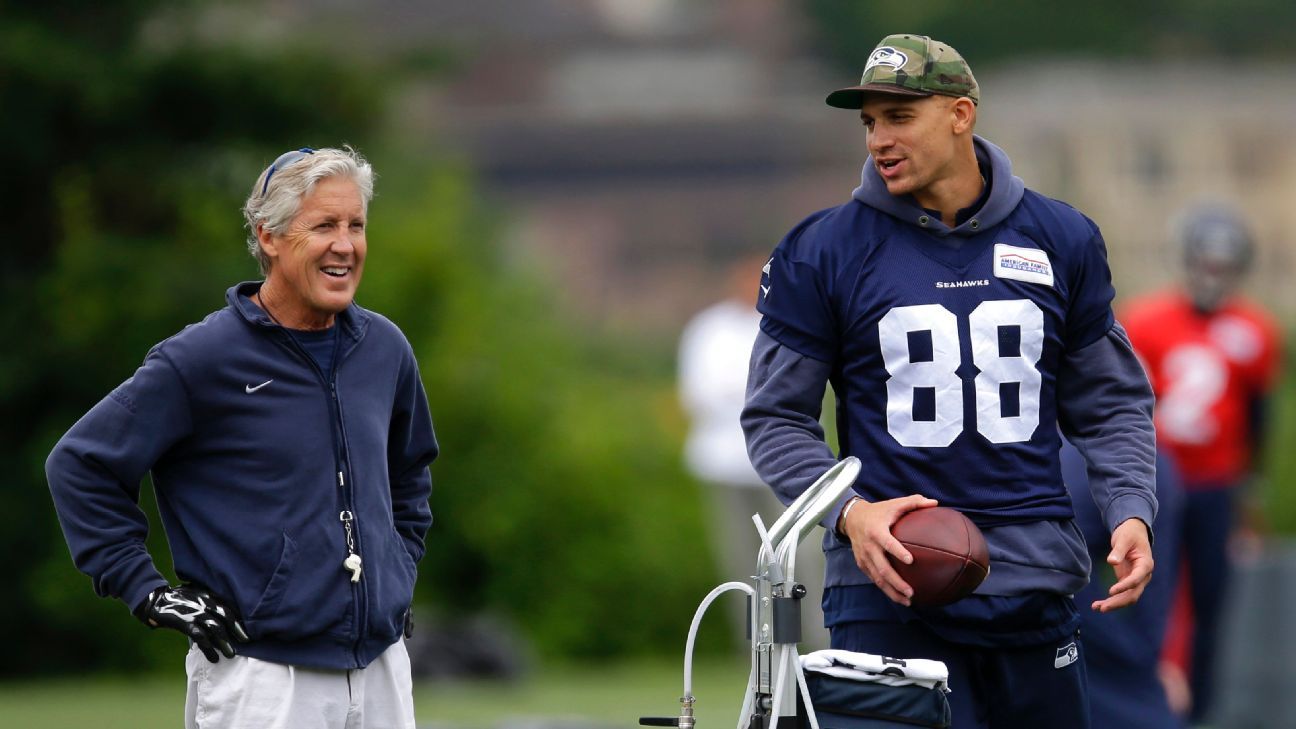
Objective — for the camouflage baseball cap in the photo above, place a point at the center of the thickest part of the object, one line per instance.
(910, 65)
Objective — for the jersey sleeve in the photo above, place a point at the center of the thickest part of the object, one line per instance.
(1138, 323)
(1105, 410)
(1089, 315)
(794, 304)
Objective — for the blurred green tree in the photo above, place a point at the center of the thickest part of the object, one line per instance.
(561, 500)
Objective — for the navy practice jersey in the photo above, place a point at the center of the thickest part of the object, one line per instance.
(945, 359)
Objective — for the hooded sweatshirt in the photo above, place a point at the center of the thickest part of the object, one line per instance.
(955, 355)
(268, 471)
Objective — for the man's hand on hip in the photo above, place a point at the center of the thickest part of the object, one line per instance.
(868, 528)
(194, 612)
(1131, 556)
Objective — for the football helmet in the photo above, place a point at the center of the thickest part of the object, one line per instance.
(1217, 250)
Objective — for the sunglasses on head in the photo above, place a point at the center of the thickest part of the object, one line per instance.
(284, 160)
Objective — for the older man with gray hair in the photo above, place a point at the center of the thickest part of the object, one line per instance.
(288, 438)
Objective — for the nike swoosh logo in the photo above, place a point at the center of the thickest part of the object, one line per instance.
(765, 290)
(250, 389)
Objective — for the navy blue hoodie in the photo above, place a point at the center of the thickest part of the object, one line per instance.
(844, 273)
(255, 455)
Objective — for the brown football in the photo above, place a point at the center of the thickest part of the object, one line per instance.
(950, 555)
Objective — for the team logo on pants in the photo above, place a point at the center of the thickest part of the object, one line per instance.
(1066, 655)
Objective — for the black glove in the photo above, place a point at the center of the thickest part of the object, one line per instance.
(194, 612)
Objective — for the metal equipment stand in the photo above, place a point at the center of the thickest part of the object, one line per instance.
(775, 617)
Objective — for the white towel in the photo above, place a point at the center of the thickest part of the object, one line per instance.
(877, 669)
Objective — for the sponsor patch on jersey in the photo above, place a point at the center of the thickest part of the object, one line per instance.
(1022, 264)
(1066, 655)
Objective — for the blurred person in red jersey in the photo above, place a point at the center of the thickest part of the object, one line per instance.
(1213, 357)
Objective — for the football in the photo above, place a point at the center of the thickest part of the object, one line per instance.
(950, 555)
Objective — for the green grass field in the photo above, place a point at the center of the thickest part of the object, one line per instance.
(609, 694)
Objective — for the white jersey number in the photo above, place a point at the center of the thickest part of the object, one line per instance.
(939, 374)
(1196, 377)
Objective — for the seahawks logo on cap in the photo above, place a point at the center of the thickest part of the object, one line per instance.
(886, 56)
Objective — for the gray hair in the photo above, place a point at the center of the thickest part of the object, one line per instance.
(285, 188)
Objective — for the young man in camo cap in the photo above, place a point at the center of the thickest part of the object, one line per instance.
(962, 321)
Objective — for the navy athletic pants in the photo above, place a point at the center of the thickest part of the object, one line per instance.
(1208, 521)
(990, 688)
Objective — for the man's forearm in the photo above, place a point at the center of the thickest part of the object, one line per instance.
(1105, 404)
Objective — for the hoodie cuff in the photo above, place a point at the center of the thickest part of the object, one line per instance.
(834, 515)
(1130, 506)
(138, 593)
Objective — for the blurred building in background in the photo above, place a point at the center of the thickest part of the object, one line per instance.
(1131, 144)
(640, 147)
(634, 147)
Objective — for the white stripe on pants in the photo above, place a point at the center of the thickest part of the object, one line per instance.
(247, 693)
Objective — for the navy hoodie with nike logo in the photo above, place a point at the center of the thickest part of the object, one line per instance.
(256, 455)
